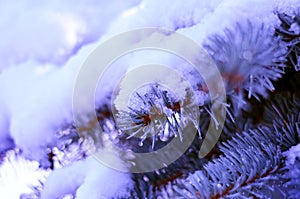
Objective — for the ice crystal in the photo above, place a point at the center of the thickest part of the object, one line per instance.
(155, 112)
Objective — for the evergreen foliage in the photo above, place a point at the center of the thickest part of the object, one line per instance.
(261, 70)
(248, 162)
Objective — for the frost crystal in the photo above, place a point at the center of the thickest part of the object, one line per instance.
(293, 154)
(156, 112)
(249, 58)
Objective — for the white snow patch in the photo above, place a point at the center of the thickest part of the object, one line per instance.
(36, 103)
(89, 178)
(18, 176)
(292, 154)
(52, 31)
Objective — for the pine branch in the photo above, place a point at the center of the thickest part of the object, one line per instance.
(251, 164)
(293, 176)
(249, 58)
(289, 30)
(281, 105)
(247, 167)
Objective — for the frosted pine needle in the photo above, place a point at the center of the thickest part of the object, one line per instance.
(154, 112)
(249, 58)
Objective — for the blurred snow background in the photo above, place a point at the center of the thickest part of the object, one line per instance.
(43, 45)
(53, 30)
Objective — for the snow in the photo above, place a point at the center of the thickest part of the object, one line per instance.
(37, 104)
(42, 48)
(89, 177)
(36, 95)
(172, 14)
(287, 6)
(292, 155)
(19, 175)
(53, 30)
(295, 27)
(222, 17)
(52, 106)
